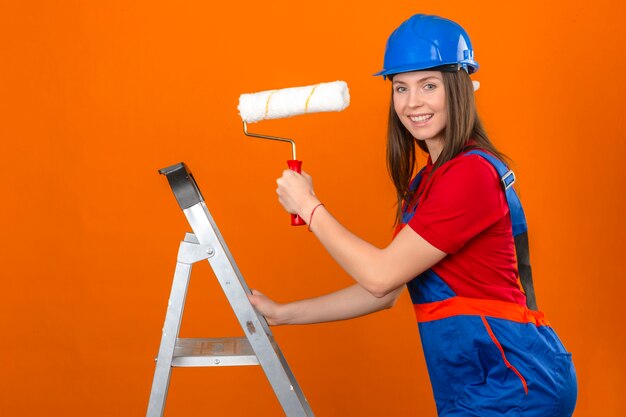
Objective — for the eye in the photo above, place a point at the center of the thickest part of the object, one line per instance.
(430, 86)
(400, 89)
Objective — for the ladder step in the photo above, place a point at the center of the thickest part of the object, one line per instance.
(228, 351)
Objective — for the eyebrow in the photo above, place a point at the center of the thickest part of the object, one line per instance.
(418, 81)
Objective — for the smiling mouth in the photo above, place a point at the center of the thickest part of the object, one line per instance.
(420, 118)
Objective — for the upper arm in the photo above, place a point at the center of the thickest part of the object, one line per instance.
(465, 199)
(407, 256)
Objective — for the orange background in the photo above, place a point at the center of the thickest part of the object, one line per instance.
(96, 96)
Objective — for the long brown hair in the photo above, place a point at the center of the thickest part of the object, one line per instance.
(463, 125)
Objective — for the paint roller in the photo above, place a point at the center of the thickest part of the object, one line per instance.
(288, 102)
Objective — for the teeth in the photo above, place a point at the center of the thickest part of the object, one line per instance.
(421, 118)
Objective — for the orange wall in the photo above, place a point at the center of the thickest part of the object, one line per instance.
(96, 96)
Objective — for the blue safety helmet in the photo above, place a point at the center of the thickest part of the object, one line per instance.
(428, 42)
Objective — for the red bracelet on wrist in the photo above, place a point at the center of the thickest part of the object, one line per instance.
(311, 216)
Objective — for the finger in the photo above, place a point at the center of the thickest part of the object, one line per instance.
(284, 177)
(253, 299)
(256, 300)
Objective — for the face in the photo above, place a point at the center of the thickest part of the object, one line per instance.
(420, 102)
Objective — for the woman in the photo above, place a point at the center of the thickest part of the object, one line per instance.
(487, 352)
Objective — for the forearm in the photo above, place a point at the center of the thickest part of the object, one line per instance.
(360, 259)
(350, 302)
(378, 271)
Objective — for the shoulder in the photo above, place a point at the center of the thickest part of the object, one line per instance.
(469, 170)
(462, 199)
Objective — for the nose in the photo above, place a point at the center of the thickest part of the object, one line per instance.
(415, 99)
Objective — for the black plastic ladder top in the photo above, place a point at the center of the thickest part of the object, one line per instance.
(183, 185)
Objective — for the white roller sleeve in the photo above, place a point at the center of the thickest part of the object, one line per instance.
(287, 102)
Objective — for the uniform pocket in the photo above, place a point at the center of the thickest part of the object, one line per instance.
(504, 359)
(566, 385)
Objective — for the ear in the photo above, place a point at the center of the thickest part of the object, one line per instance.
(476, 85)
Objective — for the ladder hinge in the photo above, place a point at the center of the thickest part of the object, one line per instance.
(190, 253)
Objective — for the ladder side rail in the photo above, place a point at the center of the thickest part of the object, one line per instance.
(170, 332)
(253, 324)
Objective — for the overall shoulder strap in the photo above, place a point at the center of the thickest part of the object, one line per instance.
(413, 186)
(416, 180)
(518, 221)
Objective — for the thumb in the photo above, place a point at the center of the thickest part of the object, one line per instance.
(256, 292)
(254, 298)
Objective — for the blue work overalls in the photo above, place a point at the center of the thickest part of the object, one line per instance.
(487, 357)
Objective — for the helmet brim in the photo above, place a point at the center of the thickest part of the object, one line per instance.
(472, 67)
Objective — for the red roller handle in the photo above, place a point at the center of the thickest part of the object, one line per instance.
(296, 166)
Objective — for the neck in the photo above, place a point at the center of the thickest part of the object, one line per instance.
(435, 146)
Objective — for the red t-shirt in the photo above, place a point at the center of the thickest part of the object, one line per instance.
(462, 210)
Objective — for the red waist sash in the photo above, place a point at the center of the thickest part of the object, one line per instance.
(459, 306)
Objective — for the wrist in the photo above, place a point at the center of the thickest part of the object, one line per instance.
(308, 207)
(284, 313)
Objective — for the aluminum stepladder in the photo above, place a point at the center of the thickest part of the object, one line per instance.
(257, 347)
